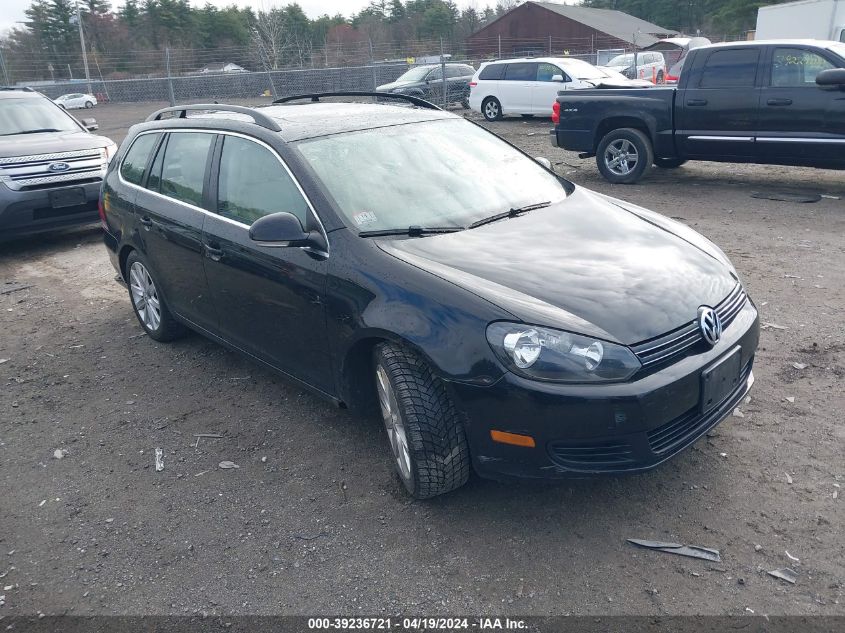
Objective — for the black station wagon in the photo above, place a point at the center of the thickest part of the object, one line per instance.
(400, 258)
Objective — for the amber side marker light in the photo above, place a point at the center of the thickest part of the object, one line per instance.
(513, 438)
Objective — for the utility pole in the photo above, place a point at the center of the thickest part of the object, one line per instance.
(82, 45)
(443, 73)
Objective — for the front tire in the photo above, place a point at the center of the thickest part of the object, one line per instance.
(147, 303)
(623, 156)
(88, 105)
(660, 78)
(491, 109)
(426, 433)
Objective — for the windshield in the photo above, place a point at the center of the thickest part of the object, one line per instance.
(582, 70)
(415, 74)
(621, 60)
(446, 173)
(19, 116)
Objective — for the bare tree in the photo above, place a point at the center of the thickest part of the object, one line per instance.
(270, 38)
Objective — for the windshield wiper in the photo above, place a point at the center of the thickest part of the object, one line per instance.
(512, 213)
(412, 231)
(38, 131)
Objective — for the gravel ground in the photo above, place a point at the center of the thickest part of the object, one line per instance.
(314, 520)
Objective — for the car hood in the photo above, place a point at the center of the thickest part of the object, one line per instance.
(49, 143)
(590, 264)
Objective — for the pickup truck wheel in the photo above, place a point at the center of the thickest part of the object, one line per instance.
(669, 163)
(660, 78)
(624, 155)
(491, 109)
(426, 433)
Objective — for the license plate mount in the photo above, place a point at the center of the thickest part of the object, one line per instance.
(720, 379)
(70, 197)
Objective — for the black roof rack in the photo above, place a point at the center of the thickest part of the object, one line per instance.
(181, 112)
(315, 97)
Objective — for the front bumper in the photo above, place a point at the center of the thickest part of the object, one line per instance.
(31, 211)
(584, 430)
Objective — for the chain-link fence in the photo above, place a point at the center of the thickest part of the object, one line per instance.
(192, 75)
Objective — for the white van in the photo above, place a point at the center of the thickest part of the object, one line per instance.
(528, 86)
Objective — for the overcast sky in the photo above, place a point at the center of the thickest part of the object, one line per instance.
(12, 11)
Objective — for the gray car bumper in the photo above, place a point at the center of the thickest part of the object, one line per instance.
(33, 211)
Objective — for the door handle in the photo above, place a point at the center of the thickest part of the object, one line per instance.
(696, 102)
(146, 221)
(779, 102)
(214, 253)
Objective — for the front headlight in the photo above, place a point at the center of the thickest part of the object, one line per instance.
(553, 355)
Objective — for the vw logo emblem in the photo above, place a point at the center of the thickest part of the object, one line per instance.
(710, 325)
(55, 167)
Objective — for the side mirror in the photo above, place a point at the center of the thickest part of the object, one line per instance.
(279, 229)
(545, 162)
(90, 124)
(831, 77)
(557, 78)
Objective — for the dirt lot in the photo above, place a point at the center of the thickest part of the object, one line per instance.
(314, 521)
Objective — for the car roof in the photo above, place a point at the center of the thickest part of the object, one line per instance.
(782, 42)
(551, 60)
(15, 93)
(311, 120)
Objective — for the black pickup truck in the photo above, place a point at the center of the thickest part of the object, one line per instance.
(768, 102)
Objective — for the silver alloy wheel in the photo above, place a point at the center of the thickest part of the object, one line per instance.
(491, 109)
(621, 157)
(145, 296)
(393, 423)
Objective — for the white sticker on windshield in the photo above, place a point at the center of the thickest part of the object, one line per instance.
(365, 217)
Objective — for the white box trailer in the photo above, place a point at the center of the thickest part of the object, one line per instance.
(805, 19)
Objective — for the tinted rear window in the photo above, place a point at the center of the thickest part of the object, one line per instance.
(521, 72)
(132, 168)
(492, 72)
(183, 166)
(733, 68)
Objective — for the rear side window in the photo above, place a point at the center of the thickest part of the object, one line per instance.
(133, 165)
(492, 72)
(183, 166)
(521, 72)
(733, 68)
(253, 183)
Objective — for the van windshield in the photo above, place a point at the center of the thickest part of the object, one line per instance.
(444, 173)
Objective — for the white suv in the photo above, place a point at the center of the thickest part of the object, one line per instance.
(528, 86)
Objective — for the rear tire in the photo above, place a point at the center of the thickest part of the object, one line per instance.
(426, 433)
(465, 103)
(660, 78)
(669, 163)
(491, 109)
(624, 155)
(149, 306)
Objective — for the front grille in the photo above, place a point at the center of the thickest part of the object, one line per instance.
(677, 433)
(22, 173)
(668, 347)
(616, 455)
